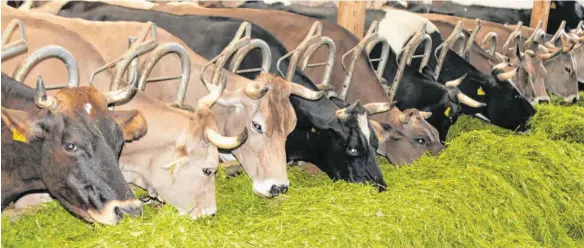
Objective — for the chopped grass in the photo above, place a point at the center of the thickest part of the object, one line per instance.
(488, 189)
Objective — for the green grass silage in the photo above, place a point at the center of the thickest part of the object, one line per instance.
(490, 188)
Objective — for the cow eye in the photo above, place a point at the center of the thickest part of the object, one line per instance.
(352, 151)
(208, 171)
(257, 127)
(420, 141)
(70, 147)
(568, 69)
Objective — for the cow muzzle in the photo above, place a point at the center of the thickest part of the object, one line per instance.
(271, 188)
(572, 98)
(114, 211)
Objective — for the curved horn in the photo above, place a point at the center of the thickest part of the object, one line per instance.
(305, 93)
(185, 62)
(404, 119)
(379, 107)
(121, 95)
(224, 142)
(567, 44)
(456, 82)
(48, 52)
(515, 36)
(343, 114)
(491, 47)
(254, 91)
(507, 75)
(41, 99)
(466, 100)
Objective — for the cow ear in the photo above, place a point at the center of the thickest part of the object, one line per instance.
(381, 130)
(132, 123)
(24, 126)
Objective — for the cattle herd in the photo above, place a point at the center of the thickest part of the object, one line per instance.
(91, 102)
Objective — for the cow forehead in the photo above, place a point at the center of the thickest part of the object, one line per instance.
(275, 106)
(86, 99)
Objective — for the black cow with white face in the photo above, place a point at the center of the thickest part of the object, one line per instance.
(67, 144)
(208, 36)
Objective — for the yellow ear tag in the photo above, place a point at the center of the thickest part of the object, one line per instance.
(480, 91)
(553, 5)
(171, 169)
(447, 112)
(18, 136)
(313, 130)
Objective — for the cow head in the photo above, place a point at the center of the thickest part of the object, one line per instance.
(527, 71)
(188, 180)
(561, 68)
(79, 140)
(264, 107)
(349, 144)
(408, 138)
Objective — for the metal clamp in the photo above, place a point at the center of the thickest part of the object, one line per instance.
(301, 54)
(371, 39)
(239, 47)
(471, 38)
(514, 39)
(455, 36)
(155, 56)
(48, 52)
(490, 48)
(407, 54)
(137, 48)
(17, 47)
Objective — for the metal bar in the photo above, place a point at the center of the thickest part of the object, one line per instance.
(249, 70)
(317, 64)
(163, 78)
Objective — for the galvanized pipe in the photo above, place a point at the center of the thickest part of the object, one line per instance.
(48, 52)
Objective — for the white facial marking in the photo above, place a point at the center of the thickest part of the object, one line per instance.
(364, 127)
(398, 26)
(88, 108)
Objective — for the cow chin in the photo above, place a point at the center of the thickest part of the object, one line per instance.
(270, 187)
(114, 210)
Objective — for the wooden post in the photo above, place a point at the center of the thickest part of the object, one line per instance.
(540, 11)
(352, 16)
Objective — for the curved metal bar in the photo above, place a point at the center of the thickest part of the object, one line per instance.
(48, 52)
(556, 36)
(240, 45)
(372, 36)
(302, 53)
(244, 50)
(538, 36)
(515, 37)
(17, 47)
(156, 55)
(401, 67)
(385, 48)
(494, 38)
(471, 38)
(416, 41)
(455, 36)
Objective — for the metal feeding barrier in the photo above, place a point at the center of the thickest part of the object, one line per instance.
(407, 55)
(371, 39)
(137, 48)
(537, 36)
(237, 49)
(449, 43)
(470, 41)
(15, 48)
(48, 52)
(489, 43)
(513, 40)
(301, 54)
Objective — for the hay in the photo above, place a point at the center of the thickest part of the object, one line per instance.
(488, 189)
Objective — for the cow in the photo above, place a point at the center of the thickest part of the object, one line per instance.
(560, 68)
(262, 156)
(67, 144)
(357, 153)
(504, 12)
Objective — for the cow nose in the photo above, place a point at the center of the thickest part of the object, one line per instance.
(575, 100)
(544, 101)
(130, 210)
(274, 190)
(283, 189)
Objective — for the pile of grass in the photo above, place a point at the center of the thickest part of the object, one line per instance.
(488, 189)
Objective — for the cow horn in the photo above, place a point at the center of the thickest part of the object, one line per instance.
(121, 95)
(542, 49)
(344, 113)
(41, 99)
(305, 93)
(466, 100)
(210, 99)
(405, 119)
(567, 43)
(507, 75)
(456, 82)
(254, 91)
(500, 66)
(555, 52)
(224, 142)
(425, 114)
(378, 107)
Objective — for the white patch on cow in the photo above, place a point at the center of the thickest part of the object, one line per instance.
(88, 108)
(515, 4)
(364, 127)
(284, 2)
(398, 26)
